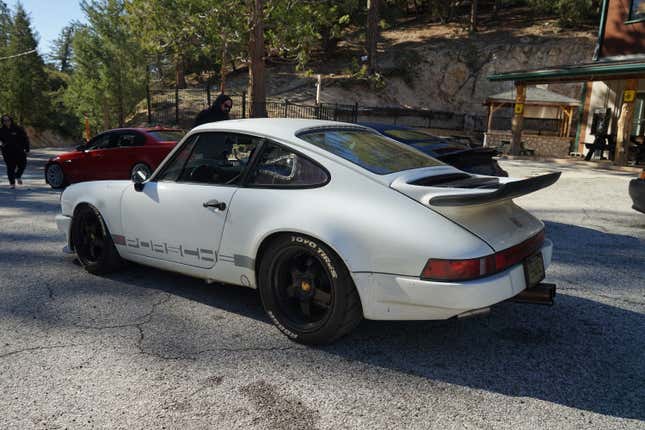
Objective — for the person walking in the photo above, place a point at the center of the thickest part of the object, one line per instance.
(15, 146)
(219, 111)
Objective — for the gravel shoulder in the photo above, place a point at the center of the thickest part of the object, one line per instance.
(150, 349)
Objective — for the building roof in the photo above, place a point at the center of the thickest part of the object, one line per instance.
(535, 96)
(597, 71)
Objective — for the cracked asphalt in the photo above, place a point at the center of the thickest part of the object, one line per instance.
(149, 349)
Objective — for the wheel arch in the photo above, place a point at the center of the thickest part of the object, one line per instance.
(265, 241)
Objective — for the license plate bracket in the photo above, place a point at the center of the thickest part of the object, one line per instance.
(534, 270)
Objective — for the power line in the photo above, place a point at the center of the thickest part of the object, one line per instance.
(18, 55)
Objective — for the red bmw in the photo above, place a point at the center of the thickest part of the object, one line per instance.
(114, 154)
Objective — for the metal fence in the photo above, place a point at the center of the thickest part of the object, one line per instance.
(180, 107)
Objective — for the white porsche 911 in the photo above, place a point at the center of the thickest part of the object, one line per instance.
(331, 222)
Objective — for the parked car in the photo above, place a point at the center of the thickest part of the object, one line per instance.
(452, 151)
(114, 154)
(332, 223)
(637, 192)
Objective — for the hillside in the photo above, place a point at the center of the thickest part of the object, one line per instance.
(436, 66)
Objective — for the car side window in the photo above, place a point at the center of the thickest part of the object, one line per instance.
(280, 167)
(100, 142)
(172, 169)
(128, 140)
(214, 158)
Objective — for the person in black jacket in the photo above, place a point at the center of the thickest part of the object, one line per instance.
(219, 111)
(15, 146)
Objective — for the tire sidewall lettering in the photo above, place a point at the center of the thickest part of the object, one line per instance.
(319, 251)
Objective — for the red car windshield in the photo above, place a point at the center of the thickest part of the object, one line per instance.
(167, 135)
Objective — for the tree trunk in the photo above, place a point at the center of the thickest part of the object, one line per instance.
(180, 77)
(372, 34)
(257, 78)
(223, 68)
(473, 15)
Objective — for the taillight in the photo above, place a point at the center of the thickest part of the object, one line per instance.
(463, 270)
(458, 270)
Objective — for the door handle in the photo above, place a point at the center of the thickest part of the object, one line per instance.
(215, 204)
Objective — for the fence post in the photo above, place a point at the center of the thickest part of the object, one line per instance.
(336, 112)
(244, 104)
(208, 93)
(176, 104)
(286, 106)
(148, 100)
(355, 113)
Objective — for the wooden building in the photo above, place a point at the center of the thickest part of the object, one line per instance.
(614, 82)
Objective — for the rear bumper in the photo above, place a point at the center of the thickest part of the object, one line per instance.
(64, 224)
(637, 193)
(392, 297)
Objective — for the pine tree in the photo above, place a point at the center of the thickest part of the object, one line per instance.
(26, 79)
(5, 28)
(61, 49)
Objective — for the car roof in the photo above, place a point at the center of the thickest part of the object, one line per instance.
(279, 128)
(141, 129)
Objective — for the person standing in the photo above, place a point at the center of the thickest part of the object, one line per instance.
(15, 146)
(219, 111)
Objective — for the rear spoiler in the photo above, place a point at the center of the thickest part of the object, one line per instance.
(509, 190)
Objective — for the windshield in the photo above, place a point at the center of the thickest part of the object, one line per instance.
(369, 150)
(167, 135)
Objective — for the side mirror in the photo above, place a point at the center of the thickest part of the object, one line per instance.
(81, 147)
(139, 179)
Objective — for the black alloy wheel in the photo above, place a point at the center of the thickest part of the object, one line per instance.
(302, 288)
(93, 243)
(307, 290)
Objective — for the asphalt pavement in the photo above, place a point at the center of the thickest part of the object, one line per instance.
(149, 349)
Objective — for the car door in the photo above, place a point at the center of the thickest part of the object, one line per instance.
(84, 167)
(97, 157)
(127, 152)
(179, 215)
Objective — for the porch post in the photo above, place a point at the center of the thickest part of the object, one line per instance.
(625, 122)
(583, 117)
(518, 117)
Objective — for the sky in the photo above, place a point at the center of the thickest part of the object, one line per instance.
(48, 17)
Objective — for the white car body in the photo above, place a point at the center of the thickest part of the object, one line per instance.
(382, 228)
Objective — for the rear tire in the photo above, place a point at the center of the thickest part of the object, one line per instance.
(55, 176)
(307, 291)
(92, 241)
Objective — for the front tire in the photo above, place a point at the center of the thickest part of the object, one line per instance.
(93, 243)
(307, 291)
(55, 176)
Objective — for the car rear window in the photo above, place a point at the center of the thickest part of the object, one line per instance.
(409, 134)
(369, 150)
(167, 135)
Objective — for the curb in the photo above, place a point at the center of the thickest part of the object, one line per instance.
(603, 165)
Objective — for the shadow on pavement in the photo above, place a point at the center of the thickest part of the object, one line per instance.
(580, 353)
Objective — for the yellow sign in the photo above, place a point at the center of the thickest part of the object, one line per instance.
(519, 108)
(629, 96)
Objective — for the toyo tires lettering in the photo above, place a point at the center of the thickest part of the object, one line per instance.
(319, 251)
(282, 328)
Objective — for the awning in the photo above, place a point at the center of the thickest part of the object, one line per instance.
(535, 96)
(597, 71)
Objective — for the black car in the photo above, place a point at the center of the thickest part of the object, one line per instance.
(637, 192)
(476, 160)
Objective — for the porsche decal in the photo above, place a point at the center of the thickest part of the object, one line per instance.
(197, 253)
